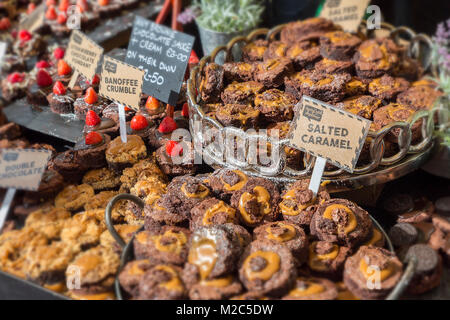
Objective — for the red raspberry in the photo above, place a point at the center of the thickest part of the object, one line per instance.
(25, 35)
(43, 79)
(58, 53)
(5, 24)
(42, 64)
(15, 77)
(31, 7)
(64, 5)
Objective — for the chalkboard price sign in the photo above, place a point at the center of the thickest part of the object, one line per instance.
(163, 54)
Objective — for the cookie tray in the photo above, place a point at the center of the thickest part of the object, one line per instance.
(112, 34)
(13, 288)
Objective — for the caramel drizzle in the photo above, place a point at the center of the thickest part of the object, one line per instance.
(218, 208)
(199, 195)
(237, 186)
(311, 287)
(262, 197)
(174, 247)
(273, 265)
(203, 254)
(286, 236)
(352, 222)
(174, 283)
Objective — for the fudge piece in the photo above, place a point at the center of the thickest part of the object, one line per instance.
(241, 92)
(275, 105)
(387, 88)
(338, 45)
(254, 51)
(211, 84)
(271, 72)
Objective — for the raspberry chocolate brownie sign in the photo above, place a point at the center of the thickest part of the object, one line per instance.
(163, 54)
(83, 55)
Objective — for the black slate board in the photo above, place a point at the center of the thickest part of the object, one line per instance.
(42, 119)
(114, 33)
(163, 54)
(13, 288)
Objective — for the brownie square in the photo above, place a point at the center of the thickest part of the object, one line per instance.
(238, 71)
(272, 72)
(338, 45)
(212, 83)
(241, 92)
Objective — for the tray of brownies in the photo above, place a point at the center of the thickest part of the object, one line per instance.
(383, 79)
(127, 219)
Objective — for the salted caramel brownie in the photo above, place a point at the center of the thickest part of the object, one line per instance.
(304, 55)
(359, 269)
(102, 179)
(328, 66)
(174, 207)
(275, 50)
(120, 155)
(256, 202)
(267, 268)
(254, 51)
(362, 106)
(341, 221)
(298, 204)
(238, 115)
(326, 87)
(213, 253)
(162, 282)
(294, 157)
(408, 68)
(97, 268)
(132, 275)
(272, 71)
(376, 57)
(212, 83)
(420, 97)
(396, 112)
(311, 288)
(327, 259)
(287, 234)
(225, 182)
(338, 45)
(241, 92)
(355, 87)
(238, 71)
(167, 245)
(212, 211)
(308, 29)
(74, 197)
(387, 88)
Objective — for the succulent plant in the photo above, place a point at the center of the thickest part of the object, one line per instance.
(228, 15)
(441, 61)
